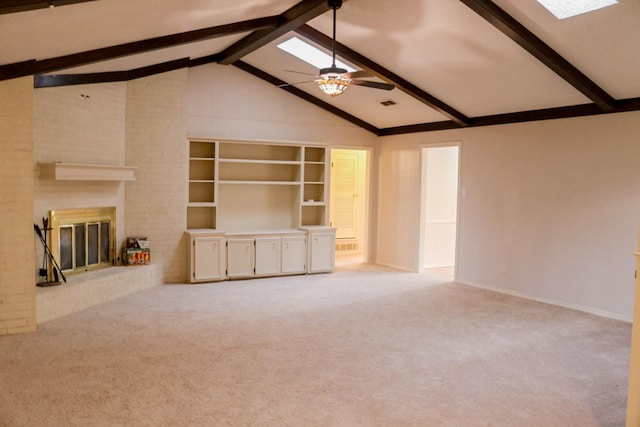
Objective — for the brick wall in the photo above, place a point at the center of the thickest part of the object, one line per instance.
(156, 143)
(17, 288)
(78, 124)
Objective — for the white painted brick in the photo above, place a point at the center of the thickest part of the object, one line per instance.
(17, 294)
(155, 135)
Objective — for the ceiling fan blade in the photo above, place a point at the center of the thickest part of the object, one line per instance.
(358, 75)
(375, 85)
(294, 84)
(299, 72)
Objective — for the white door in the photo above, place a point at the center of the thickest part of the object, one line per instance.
(267, 256)
(240, 254)
(206, 258)
(344, 193)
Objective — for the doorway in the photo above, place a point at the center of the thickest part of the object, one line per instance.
(348, 205)
(439, 208)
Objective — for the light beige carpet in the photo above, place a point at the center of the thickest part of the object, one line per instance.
(360, 347)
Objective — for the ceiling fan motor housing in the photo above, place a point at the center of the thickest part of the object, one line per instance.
(332, 70)
(334, 4)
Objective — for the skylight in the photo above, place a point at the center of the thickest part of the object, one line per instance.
(562, 9)
(310, 55)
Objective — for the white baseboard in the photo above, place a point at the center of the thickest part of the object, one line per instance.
(589, 310)
(395, 267)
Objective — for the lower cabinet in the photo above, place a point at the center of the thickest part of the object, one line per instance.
(240, 257)
(268, 256)
(216, 255)
(294, 254)
(321, 249)
(206, 256)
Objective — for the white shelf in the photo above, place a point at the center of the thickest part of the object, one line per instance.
(86, 172)
(259, 182)
(201, 204)
(261, 162)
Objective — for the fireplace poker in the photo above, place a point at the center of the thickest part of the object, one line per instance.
(43, 270)
(48, 252)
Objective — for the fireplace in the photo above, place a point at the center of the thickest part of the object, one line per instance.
(83, 239)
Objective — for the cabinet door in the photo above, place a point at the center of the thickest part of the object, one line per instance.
(207, 259)
(294, 254)
(322, 251)
(267, 256)
(240, 257)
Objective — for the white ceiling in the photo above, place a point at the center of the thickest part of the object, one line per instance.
(441, 46)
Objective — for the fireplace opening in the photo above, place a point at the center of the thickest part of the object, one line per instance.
(83, 239)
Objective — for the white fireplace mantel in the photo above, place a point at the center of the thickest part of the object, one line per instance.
(86, 172)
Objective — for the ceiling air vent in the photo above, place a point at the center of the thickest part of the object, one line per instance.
(388, 103)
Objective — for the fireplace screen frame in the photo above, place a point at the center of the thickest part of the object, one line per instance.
(72, 218)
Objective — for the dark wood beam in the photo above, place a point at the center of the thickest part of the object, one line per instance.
(383, 73)
(205, 60)
(164, 67)
(418, 128)
(539, 49)
(17, 69)
(52, 80)
(103, 54)
(14, 6)
(304, 95)
(291, 19)
(583, 110)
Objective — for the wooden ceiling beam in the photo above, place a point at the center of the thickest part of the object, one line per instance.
(291, 19)
(52, 80)
(112, 52)
(304, 95)
(582, 110)
(540, 50)
(383, 73)
(16, 6)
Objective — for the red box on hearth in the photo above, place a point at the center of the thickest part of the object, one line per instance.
(133, 256)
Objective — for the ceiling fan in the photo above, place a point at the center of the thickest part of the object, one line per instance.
(335, 80)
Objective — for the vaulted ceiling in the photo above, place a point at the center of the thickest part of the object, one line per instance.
(454, 63)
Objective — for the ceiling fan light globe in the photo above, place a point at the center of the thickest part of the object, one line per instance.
(333, 84)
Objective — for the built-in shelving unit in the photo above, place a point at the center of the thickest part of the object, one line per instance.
(314, 188)
(201, 206)
(257, 209)
(237, 185)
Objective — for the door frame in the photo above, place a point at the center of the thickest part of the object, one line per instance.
(366, 194)
(423, 200)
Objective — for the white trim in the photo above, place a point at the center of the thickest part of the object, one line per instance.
(396, 267)
(577, 307)
(257, 141)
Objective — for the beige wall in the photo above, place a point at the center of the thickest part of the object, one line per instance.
(17, 286)
(225, 102)
(548, 209)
